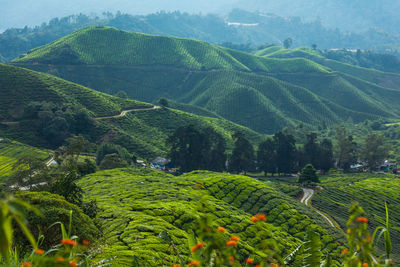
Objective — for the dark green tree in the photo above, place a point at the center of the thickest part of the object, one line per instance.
(326, 160)
(76, 146)
(346, 150)
(64, 185)
(312, 150)
(243, 157)
(374, 151)
(287, 43)
(186, 150)
(112, 161)
(29, 170)
(266, 156)
(194, 149)
(122, 94)
(308, 175)
(163, 102)
(314, 46)
(88, 166)
(214, 147)
(106, 148)
(286, 153)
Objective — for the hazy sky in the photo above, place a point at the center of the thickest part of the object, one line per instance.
(18, 13)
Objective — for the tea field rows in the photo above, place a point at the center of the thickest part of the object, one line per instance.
(136, 205)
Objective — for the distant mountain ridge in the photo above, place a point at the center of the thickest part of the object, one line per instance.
(263, 93)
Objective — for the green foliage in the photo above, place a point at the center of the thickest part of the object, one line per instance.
(53, 208)
(64, 185)
(374, 151)
(266, 157)
(346, 150)
(105, 149)
(87, 167)
(28, 170)
(308, 175)
(112, 161)
(217, 79)
(141, 132)
(371, 191)
(11, 152)
(193, 149)
(12, 210)
(139, 205)
(242, 158)
(163, 102)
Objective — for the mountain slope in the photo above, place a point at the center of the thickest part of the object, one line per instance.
(138, 204)
(70, 109)
(106, 45)
(265, 92)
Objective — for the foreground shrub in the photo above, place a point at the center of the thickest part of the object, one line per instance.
(53, 208)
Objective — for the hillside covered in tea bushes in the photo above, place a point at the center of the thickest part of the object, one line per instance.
(268, 92)
(371, 191)
(43, 110)
(140, 207)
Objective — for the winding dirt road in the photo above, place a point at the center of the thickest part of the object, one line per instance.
(124, 112)
(306, 199)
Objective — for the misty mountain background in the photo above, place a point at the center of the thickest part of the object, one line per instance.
(354, 15)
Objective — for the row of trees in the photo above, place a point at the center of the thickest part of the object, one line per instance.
(194, 149)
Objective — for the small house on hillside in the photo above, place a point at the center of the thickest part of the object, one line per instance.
(161, 164)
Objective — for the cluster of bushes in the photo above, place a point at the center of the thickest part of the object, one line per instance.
(55, 123)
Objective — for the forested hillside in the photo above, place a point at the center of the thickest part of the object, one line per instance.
(268, 91)
(42, 110)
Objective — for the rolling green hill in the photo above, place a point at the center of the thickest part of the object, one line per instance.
(371, 191)
(264, 92)
(137, 205)
(11, 151)
(143, 132)
(380, 78)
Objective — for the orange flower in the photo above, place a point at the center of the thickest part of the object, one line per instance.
(86, 242)
(368, 239)
(365, 264)
(344, 251)
(26, 264)
(249, 261)
(197, 247)
(258, 217)
(60, 259)
(221, 229)
(176, 265)
(231, 243)
(261, 217)
(362, 220)
(39, 251)
(390, 261)
(274, 265)
(258, 265)
(194, 263)
(68, 242)
(234, 238)
(231, 258)
(73, 264)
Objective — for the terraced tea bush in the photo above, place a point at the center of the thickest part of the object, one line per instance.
(11, 151)
(371, 191)
(138, 205)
